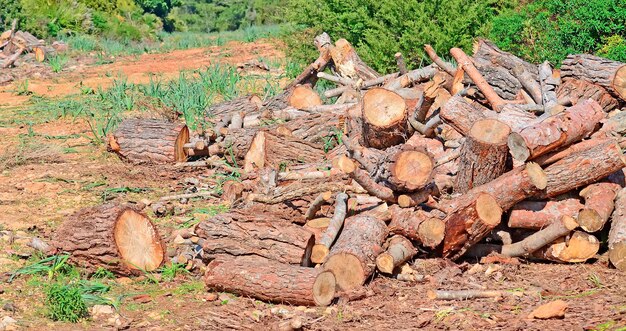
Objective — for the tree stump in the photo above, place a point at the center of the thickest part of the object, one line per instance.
(483, 154)
(609, 74)
(115, 237)
(353, 257)
(384, 118)
(271, 281)
(150, 141)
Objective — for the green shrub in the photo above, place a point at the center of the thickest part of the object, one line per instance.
(44, 18)
(380, 28)
(65, 303)
(552, 29)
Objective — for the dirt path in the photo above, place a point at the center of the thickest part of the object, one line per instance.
(137, 69)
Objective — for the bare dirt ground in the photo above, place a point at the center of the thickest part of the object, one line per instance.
(36, 196)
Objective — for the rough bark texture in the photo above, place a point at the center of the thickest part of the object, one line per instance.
(150, 141)
(272, 150)
(609, 74)
(598, 205)
(316, 128)
(353, 257)
(426, 228)
(349, 64)
(321, 249)
(468, 66)
(576, 90)
(115, 237)
(469, 224)
(617, 235)
(384, 118)
(271, 281)
(237, 233)
(549, 158)
(399, 250)
(583, 168)
(248, 104)
(549, 80)
(461, 114)
(483, 155)
(556, 131)
(535, 215)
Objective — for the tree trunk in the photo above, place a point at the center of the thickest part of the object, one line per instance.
(399, 250)
(238, 233)
(576, 90)
(579, 247)
(115, 237)
(510, 188)
(556, 131)
(426, 228)
(349, 64)
(267, 280)
(459, 113)
(535, 215)
(582, 168)
(609, 74)
(617, 235)
(299, 97)
(483, 154)
(353, 257)
(552, 157)
(150, 141)
(599, 205)
(469, 224)
(271, 150)
(384, 118)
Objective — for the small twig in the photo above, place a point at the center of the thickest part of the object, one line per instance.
(469, 294)
(190, 196)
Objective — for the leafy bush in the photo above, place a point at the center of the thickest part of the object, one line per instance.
(552, 29)
(379, 28)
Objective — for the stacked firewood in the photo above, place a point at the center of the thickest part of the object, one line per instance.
(16, 43)
(494, 156)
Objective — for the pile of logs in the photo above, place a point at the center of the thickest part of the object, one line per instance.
(16, 43)
(495, 156)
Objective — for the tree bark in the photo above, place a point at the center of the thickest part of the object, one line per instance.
(353, 257)
(150, 141)
(248, 104)
(582, 168)
(609, 74)
(599, 198)
(576, 248)
(549, 81)
(535, 215)
(483, 154)
(576, 90)
(464, 61)
(298, 97)
(617, 235)
(426, 228)
(237, 233)
(399, 250)
(271, 150)
(556, 131)
(321, 248)
(411, 77)
(469, 224)
(529, 83)
(115, 237)
(384, 118)
(349, 64)
(271, 281)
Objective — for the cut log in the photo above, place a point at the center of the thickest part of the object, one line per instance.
(309, 74)
(535, 215)
(529, 83)
(384, 118)
(150, 141)
(461, 114)
(445, 66)
(579, 247)
(317, 128)
(483, 154)
(556, 131)
(552, 157)
(549, 80)
(399, 250)
(583, 168)
(426, 228)
(237, 233)
(469, 224)
(321, 248)
(464, 61)
(348, 63)
(248, 104)
(317, 226)
(353, 257)
(299, 97)
(411, 77)
(272, 150)
(576, 90)
(316, 205)
(401, 63)
(271, 281)
(117, 238)
(617, 235)
(599, 205)
(609, 74)
(510, 188)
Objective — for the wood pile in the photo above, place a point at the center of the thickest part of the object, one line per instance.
(495, 156)
(14, 44)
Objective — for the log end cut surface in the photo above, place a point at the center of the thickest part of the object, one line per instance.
(619, 82)
(384, 262)
(324, 288)
(304, 97)
(518, 148)
(617, 256)
(413, 168)
(537, 175)
(383, 108)
(347, 270)
(138, 242)
(489, 212)
(490, 131)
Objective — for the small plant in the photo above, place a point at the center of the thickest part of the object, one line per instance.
(57, 62)
(102, 273)
(22, 88)
(170, 271)
(595, 280)
(50, 266)
(65, 303)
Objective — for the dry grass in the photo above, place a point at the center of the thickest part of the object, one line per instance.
(29, 151)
